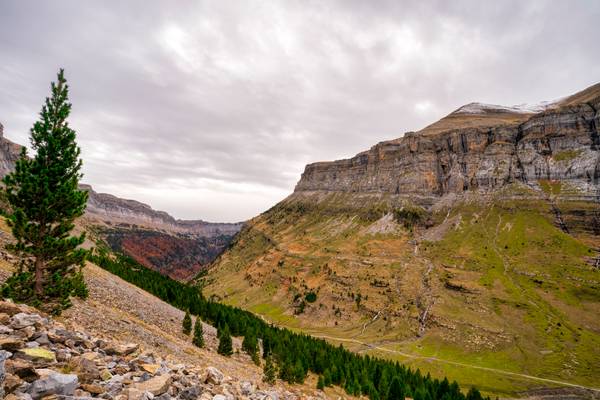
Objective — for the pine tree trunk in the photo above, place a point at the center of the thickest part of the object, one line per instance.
(39, 276)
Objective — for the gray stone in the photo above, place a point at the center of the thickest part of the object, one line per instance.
(43, 339)
(191, 393)
(246, 388)
(5, 330)
(214, 376)
(22, 320)
(4, 355)
(55, 383)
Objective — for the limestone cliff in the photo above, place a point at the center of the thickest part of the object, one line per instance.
(478, 147)
(471, 241)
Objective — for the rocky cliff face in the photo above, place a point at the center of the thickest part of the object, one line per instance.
(117, 211)
(9, 153)
(178, 248)
(478, 147)
(473, 239)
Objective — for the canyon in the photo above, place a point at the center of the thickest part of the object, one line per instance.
(177, 248)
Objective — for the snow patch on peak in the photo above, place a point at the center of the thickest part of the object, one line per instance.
(483, 108)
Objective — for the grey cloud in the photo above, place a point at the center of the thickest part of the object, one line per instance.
(235, 97)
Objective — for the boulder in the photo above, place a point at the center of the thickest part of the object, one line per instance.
(157, 385)
(5, 330)
(25, 333)
(7, 307)
(42, 339)
(86, 370)
(12, 382)
(134, 394)
(37, 354)
(22, 368)
(22, 320)
(55, 383)
(105, 375)
(4, 318)
(190, 393)
(214, 376)
(121, 349)
(93, 388)
(4, 355)
(246, 388)
(11, 343)
(150, 368)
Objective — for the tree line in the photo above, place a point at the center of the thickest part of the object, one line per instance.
(295, 354)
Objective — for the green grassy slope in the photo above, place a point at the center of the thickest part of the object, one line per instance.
(491, 284)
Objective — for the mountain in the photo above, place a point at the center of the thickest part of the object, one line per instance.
(177, 248)
(469, 249)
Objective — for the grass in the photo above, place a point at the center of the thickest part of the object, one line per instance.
(566, 155)
(528, 305)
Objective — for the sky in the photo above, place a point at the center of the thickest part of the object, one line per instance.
(211, 109)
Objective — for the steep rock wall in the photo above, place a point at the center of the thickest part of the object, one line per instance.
(558, 144)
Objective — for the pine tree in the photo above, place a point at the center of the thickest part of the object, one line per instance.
(250, 346)
(187, 324)
(44, 200)
(320, 383)
(225, 345)
(269, 371)
(198, 339)
(474, 394)
(396, 392)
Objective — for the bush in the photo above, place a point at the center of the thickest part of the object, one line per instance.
(409, 217)
(311, 297)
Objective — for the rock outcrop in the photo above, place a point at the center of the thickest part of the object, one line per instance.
(9, 153)
(478, 148)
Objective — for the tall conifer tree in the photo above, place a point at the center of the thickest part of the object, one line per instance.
(198, 339)
(225, 344)
(44, 200)
(186, 324)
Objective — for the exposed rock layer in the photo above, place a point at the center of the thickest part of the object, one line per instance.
(477, 151)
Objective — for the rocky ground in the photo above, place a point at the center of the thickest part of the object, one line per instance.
(123, 343)
(42, 359)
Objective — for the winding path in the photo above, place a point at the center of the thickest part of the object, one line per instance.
(500, 371)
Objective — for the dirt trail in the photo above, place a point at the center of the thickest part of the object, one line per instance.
(416, 357)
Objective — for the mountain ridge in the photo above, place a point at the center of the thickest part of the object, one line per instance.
(466, 154)
(474, 241)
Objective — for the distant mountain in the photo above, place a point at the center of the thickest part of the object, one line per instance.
(178, 248)
(468, 249)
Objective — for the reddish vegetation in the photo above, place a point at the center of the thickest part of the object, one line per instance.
(180, 257)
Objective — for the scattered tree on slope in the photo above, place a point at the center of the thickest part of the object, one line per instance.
(296, 354)
(198, 339)
(186, 324)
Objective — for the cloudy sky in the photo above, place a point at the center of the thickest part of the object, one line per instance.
(211, 109)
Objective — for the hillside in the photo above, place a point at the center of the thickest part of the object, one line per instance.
(177, 248)
(468, 249)
(133, 317)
